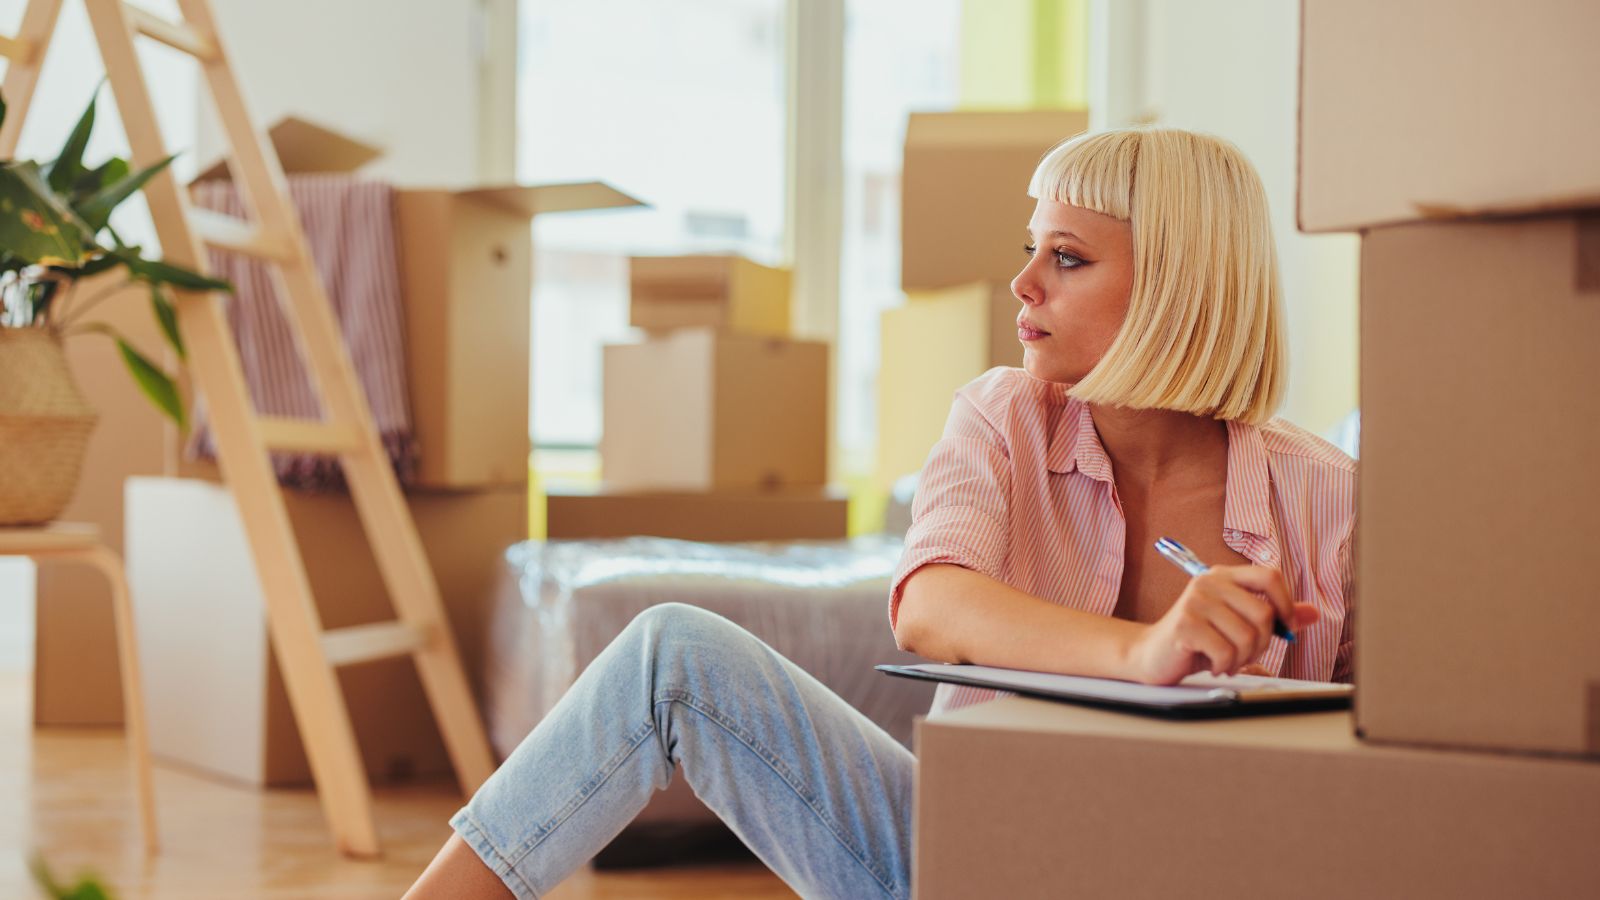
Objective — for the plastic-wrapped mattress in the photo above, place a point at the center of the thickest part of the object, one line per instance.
(822, 604)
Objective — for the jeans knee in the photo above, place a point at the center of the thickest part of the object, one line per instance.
(674, 633)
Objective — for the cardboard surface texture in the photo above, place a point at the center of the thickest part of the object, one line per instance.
(1025, 798)
(466, 273)
(799, 514)
(198, 608)
(931, 345)
(964, 204)
(697, 410)
(730, 293)
(1479, 492)
(1394, 101)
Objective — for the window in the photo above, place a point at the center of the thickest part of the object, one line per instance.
(684, 108)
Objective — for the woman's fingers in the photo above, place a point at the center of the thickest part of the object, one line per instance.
(1245, 636)
(1264, 581)
(1254, 609)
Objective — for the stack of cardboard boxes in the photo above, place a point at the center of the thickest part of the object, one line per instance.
(465, 260)
(963, 222)
(715, 427)
(1470, 766)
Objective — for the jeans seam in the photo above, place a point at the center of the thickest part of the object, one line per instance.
(585, 791)
(766, 756)
(466, 824)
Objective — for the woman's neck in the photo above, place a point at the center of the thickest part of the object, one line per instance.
(1149, 445)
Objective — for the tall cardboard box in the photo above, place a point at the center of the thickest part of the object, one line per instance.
(933, 344)
(199, 611)
(791, 515)
(725, 292)
(698, 410)
(964, 204)
(1395, 109)
(1024, 798)
(466, 275)
(1478, 614)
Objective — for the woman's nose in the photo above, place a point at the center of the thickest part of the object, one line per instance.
(1024, 288)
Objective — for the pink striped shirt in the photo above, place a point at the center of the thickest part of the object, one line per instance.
(1020, 489)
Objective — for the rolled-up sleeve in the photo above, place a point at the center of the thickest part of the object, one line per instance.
(961, 514)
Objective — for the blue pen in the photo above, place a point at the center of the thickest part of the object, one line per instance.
(1184, 558)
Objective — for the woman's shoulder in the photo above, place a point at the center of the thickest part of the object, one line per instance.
(998, 390)
(1286, 440)
(1318, 475)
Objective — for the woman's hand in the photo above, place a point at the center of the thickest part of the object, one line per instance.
(1222, 621)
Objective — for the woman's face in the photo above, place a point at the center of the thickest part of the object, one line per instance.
(1074, 290)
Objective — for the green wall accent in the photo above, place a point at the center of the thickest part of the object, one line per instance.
(1024, 54)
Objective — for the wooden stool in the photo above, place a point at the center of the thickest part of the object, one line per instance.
(81, 543)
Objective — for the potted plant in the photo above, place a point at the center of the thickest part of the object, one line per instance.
(55, 232)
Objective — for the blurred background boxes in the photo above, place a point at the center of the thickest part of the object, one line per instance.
(1402, 108)
(1480, 491)
(931, 346)
(794, 514)
(726, 292)
(216, 701)
(964, 204)
(696, 409)
(1365, 821)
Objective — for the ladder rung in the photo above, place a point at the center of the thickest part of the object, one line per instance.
(225, 232)
(308, 436)
(20, 52)
(178, 37)
(361, 643)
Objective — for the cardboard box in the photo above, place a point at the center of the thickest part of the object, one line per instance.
(697, 410)
(1479, 491)
(466, 272)
(964, 204)
(1406, 113)
(730, 293)
(932, 345)
(1026, 798)
(198, 609)
(799, 514)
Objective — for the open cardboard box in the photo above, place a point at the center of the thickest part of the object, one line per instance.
(466, 270)
(1409, 110)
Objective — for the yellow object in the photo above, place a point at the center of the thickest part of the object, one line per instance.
(1024, 54)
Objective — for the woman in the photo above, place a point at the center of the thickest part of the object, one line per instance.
(1154, 359)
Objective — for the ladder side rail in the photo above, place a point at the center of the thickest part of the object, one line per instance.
(391, 531)
(294, 623)
(22, 74)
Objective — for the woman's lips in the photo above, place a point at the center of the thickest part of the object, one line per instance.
(1029, 333)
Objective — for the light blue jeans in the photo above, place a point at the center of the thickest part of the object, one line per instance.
(816, 790)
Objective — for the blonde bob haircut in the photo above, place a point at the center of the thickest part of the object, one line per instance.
(1204, 328)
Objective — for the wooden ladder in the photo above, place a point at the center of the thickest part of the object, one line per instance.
(307, 653)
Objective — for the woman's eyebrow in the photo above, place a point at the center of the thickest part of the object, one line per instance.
(1065, 234)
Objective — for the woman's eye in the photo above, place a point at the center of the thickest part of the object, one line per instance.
(1066, 260)
(1029, 249)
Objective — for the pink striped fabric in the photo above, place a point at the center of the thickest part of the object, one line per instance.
(1019, 488)
(349, 225)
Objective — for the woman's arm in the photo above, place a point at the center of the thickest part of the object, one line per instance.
(1221, 621)
(952, 614)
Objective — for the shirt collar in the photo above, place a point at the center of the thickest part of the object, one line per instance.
(1247, 507)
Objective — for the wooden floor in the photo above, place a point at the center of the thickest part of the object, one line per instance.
(67, 794)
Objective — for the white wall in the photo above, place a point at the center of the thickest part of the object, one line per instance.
(1231, 68)
(402, 75)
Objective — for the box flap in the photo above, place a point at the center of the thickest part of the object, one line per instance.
(306, 147)
(1044, 127)
(533, 199)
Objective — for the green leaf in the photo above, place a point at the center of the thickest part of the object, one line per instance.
(167, 315)
(69, 164)
(157, 272)
(34, 224)
(156, 385)
(96, 264)
(2, 109)
(107, 173)
(96, 209)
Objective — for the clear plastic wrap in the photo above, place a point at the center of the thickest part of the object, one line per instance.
(822, 604)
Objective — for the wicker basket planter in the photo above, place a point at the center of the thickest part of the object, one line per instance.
(45, 424)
